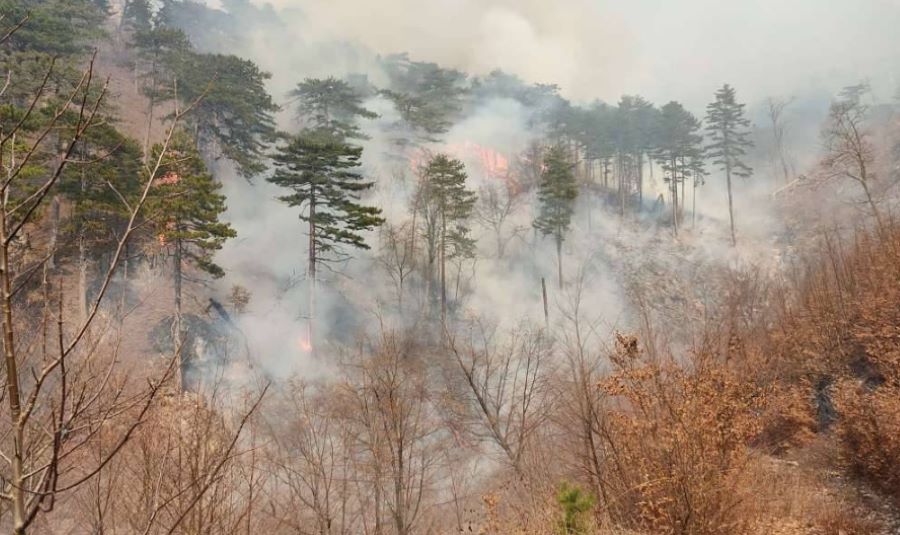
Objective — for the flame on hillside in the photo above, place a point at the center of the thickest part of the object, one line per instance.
(492, 163)
(167, 179)
(304, 345)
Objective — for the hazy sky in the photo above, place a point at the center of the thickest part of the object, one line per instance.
(663, 49)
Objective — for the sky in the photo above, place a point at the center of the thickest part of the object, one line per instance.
(662, 49)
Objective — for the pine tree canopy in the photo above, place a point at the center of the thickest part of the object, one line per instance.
(331, 105)
(234, 114)
(729, 132)
(323, 176)
(105, 174)
(54, 27)
(186, 204)
(138, 15)
(446, 192)
(427, 96)
(557, 193)
(678, 141)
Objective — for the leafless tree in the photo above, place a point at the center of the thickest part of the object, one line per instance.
(312, 460)
(775, 108)
(507, 383)
(496, 203)
(399, 435)
(850, 152)
(398, 255)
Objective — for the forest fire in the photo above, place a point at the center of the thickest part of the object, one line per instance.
(492, 163)
(167, 179)
(304, 345)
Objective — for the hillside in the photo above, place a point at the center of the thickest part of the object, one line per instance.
(259, 271)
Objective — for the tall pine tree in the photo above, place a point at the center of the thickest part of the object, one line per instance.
(557, 193)
(447, 206)
(323, 175)
(185, 208)
(729, 133)
(105, 176)
(332, 106)
(678, 150)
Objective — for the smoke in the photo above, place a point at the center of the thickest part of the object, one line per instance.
(662, 50)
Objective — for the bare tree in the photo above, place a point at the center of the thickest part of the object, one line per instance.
(312, 459)
(775, 108)
(399, 434)
(850, 152)
(398, 255)
(496, 203)
(506, 383)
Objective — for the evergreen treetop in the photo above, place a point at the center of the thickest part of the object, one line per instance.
(323, 176)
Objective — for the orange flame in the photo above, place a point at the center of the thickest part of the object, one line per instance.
(304, 345)
(492, 162)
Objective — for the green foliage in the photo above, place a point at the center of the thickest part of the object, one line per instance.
(450, 204)
(576, 505)
(138, 15)
(557, 193)
(427, 96)
(185, 205)
(54, 27)
(210, 29)
(679, 148)
(597, 131)
(161, 48)
(322, 173)
(234, 115)
(104, 175)
(729, 133)
(331, 106)
(635, 127)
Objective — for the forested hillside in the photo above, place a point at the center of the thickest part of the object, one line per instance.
(253, 279)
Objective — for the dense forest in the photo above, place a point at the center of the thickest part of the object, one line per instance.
(254, 282)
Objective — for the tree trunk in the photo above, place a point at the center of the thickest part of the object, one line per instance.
(871, 201)
(640, 180)
(12, 384)
(311, 323)
(559, 260)
(730, 204)
(150, 109)
(82, 279)
(674, 182)
(694, 205)
(443, 269)
(177, 327)
(54, 230)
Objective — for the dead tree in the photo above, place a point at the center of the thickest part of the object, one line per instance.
(850, 153)
(506, 385)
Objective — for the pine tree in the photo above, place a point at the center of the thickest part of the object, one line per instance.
(160, 47)
(54, 27)
(729, 133)
(331, 106)
(323, 176)
(233, 116)
(557, 193)
(98, 193)
(451, 205)
(427, 96)
(185, 208)
(137, 15)
(678, 150)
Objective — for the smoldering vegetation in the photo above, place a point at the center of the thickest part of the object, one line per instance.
(340, 268)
